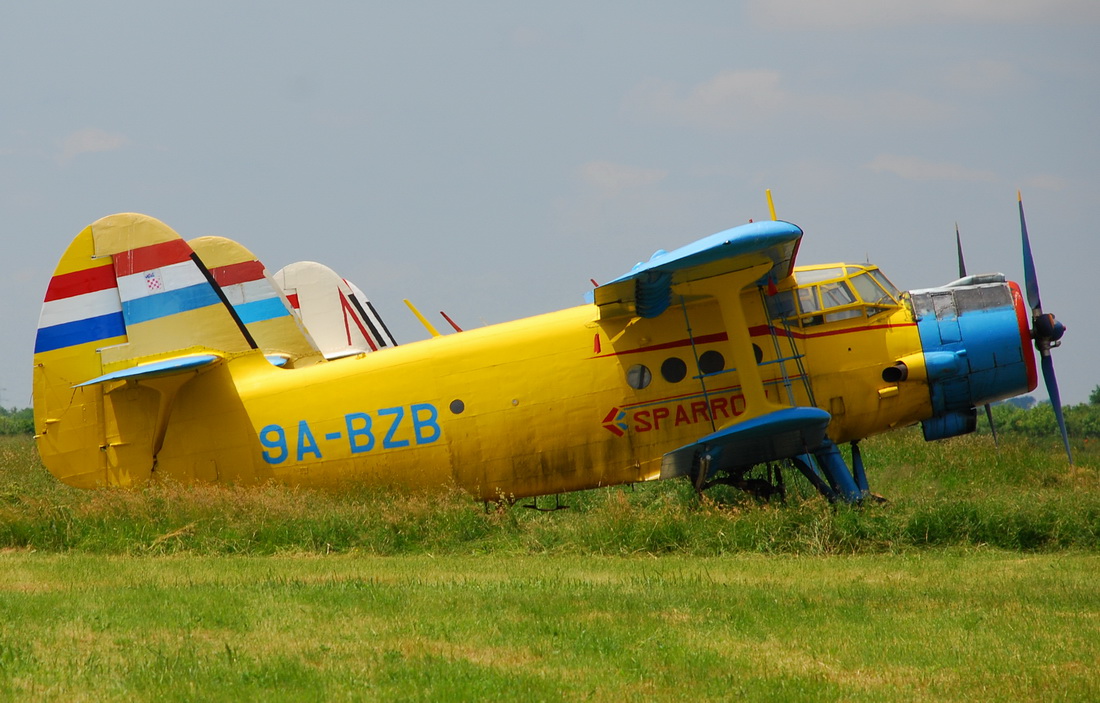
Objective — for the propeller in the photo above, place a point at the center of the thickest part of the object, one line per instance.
(959, 246)
(962, 274)
(1045, 330)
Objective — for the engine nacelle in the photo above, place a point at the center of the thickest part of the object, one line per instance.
(977, 349)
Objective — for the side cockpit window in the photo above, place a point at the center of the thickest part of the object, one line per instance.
(831, 294)
(807, 300)
(836, 294)
(781, 305)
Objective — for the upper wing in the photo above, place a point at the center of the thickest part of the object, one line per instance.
(647, 290)
(754, 254)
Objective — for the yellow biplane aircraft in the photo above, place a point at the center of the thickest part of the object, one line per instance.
(157, 357)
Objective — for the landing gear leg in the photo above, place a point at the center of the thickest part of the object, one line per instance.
(844, 485)
(777, 481)
(857, 468)
(805, 464)
(824, 468)
(703, 468)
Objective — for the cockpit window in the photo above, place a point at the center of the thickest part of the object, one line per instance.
(870, 290)
(883, 281)
(816, 275)
(781, 305)
(835, 294)
(807, 300)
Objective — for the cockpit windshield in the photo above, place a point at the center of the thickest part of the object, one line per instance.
(832, 293)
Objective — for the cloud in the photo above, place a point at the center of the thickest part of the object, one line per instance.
(617, 206)
(863, 14)
(985, 77)
(913, 168)
(729, 100)
(611, 179)
(897, 106)
(734, 100)
(89, 140)
(1046, 181)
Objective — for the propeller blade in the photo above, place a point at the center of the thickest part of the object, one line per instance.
(992, 427)
(1056, 400)
(959, 247)
(1044, 329)
(1031, 283)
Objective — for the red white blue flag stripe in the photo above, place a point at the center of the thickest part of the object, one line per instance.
(80, 307)
(161, 280)
(248, 290)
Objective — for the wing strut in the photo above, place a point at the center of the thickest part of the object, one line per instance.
(766, 431)
(737, 332)
(695, 355)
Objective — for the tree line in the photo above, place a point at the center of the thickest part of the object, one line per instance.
(14, 421)
(1023, 416)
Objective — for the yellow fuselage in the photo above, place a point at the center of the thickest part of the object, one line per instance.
(542, 405)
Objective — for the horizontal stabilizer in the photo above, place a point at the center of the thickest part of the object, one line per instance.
(153, 369)
(779, 434)
(647, 288)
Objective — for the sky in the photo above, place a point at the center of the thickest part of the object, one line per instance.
(489, 158)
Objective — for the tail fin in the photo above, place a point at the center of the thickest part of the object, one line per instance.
(258, 302)
(362, 304)
(129, 300)
(338, 316)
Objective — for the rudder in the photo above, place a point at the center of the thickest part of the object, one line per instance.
(337, 314)
(257, 300)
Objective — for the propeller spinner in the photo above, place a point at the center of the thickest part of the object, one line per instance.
(1045, 330)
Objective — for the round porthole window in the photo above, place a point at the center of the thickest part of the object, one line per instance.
(674, 369)
(638, 376)
(712, 362)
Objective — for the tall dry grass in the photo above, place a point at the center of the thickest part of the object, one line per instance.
(1021, 496)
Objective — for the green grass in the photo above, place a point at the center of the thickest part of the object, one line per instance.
(976, 581)
(955, 493)
(949, 625)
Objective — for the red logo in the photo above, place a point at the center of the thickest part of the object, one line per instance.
(717, 408)
(614, 424)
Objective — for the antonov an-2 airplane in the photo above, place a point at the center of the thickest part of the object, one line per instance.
(160, 358)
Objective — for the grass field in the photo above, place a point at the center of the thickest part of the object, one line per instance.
(936, 627)
(977, 581)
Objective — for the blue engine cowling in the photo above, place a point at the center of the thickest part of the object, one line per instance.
(977, 349)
